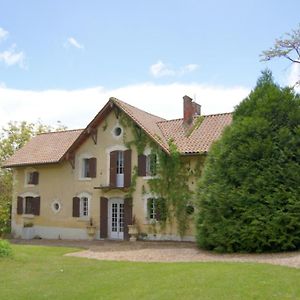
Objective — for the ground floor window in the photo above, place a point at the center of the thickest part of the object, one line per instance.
(84, 207)
(156, 209)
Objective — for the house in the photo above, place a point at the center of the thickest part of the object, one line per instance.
(100, 176)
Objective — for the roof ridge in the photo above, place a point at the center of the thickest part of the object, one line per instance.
(209, 115)
(60, 131)
(122, 102)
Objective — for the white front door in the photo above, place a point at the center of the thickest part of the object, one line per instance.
(116, 218)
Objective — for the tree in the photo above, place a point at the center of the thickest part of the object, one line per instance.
(249, 194)
(12, 138)
(288, 47)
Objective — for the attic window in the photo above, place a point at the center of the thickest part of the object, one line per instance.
(117, 131)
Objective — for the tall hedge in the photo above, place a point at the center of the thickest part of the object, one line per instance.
(249, 195)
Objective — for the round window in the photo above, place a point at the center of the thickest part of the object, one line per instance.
(56, 206)
(117, 131)
(190, 209)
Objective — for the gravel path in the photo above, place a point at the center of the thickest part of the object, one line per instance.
(162, 252)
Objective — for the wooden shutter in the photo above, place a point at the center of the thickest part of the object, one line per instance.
(36, 206)
(113, 169)
(35, 178)
(127, 168)
(142, 165)
(160, 209)
(103, 217)
(76, 207)
(127, 216)
(93, 167)
(20, 202)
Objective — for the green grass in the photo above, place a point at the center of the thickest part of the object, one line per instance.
(37, 272)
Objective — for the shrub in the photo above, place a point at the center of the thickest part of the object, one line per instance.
(5, 248)
(249, 195)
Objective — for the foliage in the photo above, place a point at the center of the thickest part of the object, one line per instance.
(288, 47)
(13, 137)
(38, 272)
(5, 248)
(249, 195)
(171, 184)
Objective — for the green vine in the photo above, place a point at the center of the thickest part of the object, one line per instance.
(132, 187)
(171, 184)
(195, 126)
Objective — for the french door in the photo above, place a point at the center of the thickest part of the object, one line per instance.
(116, 218)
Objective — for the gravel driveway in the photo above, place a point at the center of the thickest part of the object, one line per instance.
(162, 252)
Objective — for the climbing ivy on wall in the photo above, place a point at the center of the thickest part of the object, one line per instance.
(172, 181)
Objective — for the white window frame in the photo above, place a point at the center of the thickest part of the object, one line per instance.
(117, 137)
(82, 196)
(81, 168)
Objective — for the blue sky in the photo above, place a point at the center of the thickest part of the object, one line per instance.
(112, 45)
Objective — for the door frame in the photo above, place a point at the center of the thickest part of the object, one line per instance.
(119, 235)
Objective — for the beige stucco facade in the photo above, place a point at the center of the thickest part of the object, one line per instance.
(59, 183)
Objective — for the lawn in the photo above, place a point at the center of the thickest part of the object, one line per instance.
(37, 272)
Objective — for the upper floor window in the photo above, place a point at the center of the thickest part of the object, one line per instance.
(89, 167)
(151, 165)
(147, 165)
(120, 168)
(32, 177)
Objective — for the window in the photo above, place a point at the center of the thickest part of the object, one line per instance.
(29, 205)
(120, 162)
(156, 209)
(86, 167)
(84, 207)
(32, 178)
(89, 167)
(117, 131)
(151, 165)
(151, 209)
(56, 206)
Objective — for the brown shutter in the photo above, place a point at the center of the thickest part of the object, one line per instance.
(20, 205)
(127, 216)
(103, 217)
(93, 167)
(36, 206)
(127, 168)
(76, 206)
(35, 178)
(142, 165)
(113, 169)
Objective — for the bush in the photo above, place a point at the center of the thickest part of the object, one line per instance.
(5, 248)
(249, 195)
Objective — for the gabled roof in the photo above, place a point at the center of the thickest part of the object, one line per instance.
(54, 147)
(45, 148)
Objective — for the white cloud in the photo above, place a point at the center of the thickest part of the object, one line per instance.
(73, 42)
(160, 69)
(68, 107)
(294, 77)
(12, 57)
(3, 34)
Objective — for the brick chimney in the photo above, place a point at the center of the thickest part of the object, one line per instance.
(190, 109)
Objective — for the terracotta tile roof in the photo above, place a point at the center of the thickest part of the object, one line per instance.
(145, 120)
(44, 148)
(199, 139)
(52, 147)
